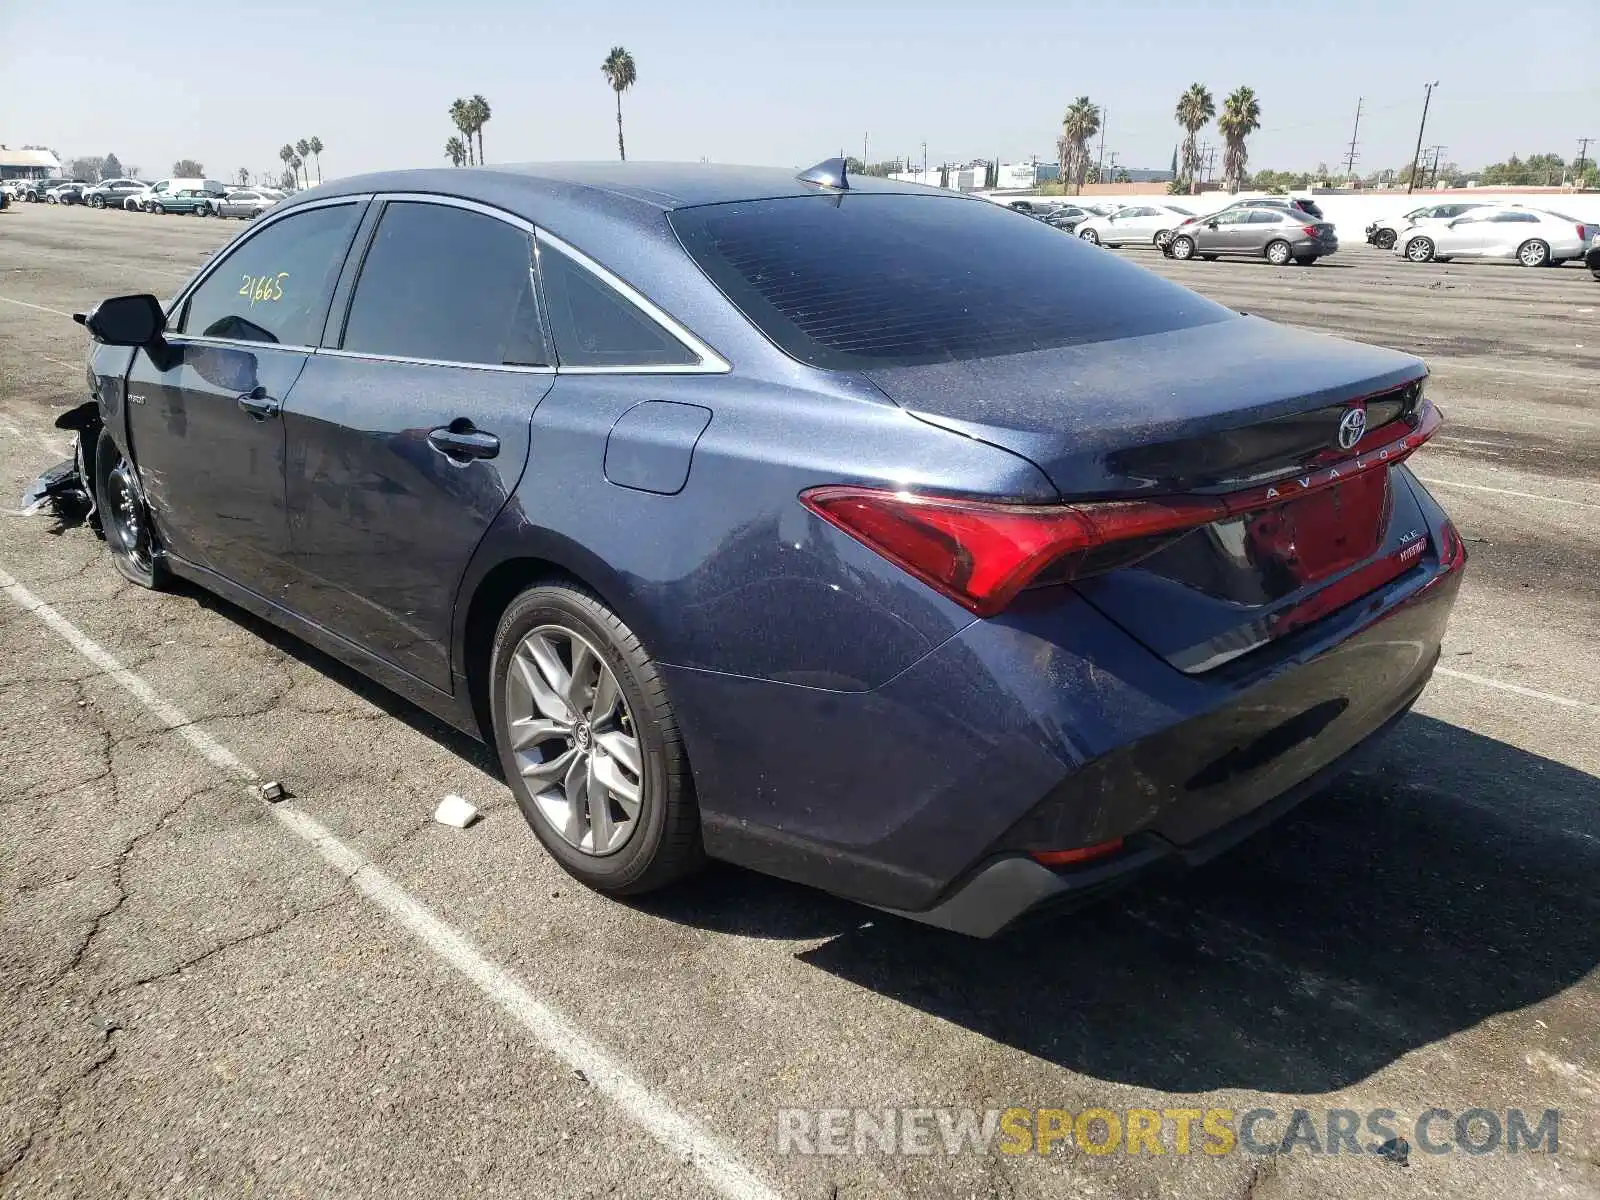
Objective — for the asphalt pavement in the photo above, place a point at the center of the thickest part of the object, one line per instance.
(203, 994)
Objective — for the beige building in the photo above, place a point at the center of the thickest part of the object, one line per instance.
(28, 164)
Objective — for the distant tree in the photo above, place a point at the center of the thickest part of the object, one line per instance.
(1122, 176)
(1241, 116)
(461, 118)
(297, 164)
(621, 74)
(188, 168)
(1195, 109)
(287, 182)
(88, 168)
(314, 143)
(480, 112)
(286, 153)
(1078, 125)
(1174, 167)
(243, 176)
(111, 168)
(456, 151)
(302, 148)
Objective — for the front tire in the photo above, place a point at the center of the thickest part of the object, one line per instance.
(1183, 248)
(1533, 253)
(1163, 236)
(1420, 250)
(98, 202)
(1279, 253)
(1090, 236)
(589, 745)
(1384, 239)
(202, 209)
(125, 518)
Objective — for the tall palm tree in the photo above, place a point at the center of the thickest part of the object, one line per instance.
(461, 118)
(303, 149)
(456, 151)
(296, 163)
(315, 143)
(481, 112)
(286, 153)
(620, 73)
(1241, 116)
(1195, 108)
(244, 176)
(1078, 126)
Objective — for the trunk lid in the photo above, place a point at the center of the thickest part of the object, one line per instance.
(1299, 429)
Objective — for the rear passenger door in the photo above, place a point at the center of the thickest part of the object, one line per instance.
(408, 430)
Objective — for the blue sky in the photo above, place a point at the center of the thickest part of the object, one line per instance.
(764, 81)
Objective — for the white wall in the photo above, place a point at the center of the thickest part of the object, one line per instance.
(1350, 215)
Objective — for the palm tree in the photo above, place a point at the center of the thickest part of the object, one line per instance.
(620, 73)
(244, 176)
(1241, 116)
(315, 143)
(456, 151)
(286, 153)
(461, 118)
(303, 149)
(1195, 108)
(295, 164)
(1078, 126)
(481, 112)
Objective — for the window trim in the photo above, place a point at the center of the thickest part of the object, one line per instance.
(711, 363)
(345, 297)
(254, 230)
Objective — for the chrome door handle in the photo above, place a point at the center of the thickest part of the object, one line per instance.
(461, 442)
(259, 405)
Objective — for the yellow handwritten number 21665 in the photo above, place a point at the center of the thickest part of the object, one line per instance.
(262, 288)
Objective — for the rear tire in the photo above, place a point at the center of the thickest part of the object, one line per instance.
(1183, 248)
(1279, 253)
(125, 518)
(159, 209)
(1163, 236)
(1533, 253)
(1420, 250)
(542, 632)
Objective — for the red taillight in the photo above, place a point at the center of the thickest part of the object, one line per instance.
(1309, 230)
(1452, 550)
(1067, 858)
(1583, 235)
(981, 553)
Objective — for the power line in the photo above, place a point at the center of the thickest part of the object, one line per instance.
(1350, 157)
(1417, 155)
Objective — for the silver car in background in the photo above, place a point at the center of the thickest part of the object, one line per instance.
(1280, 235)
(1531, 236)
(1384, 233)
(246, 203)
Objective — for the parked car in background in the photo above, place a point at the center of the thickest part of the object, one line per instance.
(1382, 234)
(34, 190)
(110, 193)
(1139, 224)
(1078, 573)
(1297, 203)
(184, 196)
(245, 203)
(1533, 237)
(70, 192)
(1280, 235)
(1592, 258)
(1068, 217)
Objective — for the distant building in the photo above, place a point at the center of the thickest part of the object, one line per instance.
(28, 164)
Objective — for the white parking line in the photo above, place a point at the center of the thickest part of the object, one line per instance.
(1518, 689)
(35, 307)
(681, 1134)
(1478, 487)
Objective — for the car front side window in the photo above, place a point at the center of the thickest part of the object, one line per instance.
(275, 287)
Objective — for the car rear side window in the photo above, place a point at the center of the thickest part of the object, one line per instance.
(448, 284)
(275, 286)
(595, 326)
(858, 282)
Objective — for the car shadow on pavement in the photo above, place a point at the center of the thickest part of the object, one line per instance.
(1451, 881)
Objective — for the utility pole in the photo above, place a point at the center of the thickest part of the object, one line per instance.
(863, 152)
(1350, 157)
(1417, 156)
(1583, 155)
(1437, 155)
(1099, 167)
(924, 162)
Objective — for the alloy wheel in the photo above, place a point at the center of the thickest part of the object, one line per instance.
(1533, 254)
(1279, 253)
(126, 515)
(1419, 250)
(1090, 236)
(573, 740)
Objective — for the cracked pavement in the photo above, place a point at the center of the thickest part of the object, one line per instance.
(193, 1003)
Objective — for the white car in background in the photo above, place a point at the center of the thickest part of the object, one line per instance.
(1383, 234)
(1531, 236)
(1138, 224)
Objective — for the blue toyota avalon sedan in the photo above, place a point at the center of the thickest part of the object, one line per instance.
(863, 534)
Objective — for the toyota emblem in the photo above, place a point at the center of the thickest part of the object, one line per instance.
(1351, 427)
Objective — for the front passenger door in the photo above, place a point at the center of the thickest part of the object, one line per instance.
(204, 422)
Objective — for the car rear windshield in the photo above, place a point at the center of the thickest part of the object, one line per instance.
(854, 282)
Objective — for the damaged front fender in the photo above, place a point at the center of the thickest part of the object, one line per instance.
(67, 489)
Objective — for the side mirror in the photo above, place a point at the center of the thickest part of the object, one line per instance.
(127, 321)
(1211, 224)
